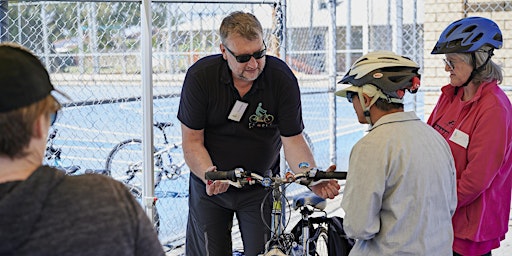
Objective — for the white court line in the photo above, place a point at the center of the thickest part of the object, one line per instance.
(350, 128)
(130, 135)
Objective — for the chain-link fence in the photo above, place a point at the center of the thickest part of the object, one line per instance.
(93, 52)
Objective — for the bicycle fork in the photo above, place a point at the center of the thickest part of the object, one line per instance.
(273, 246)
(276, 222)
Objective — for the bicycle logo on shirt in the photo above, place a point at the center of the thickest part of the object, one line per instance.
(260, 118)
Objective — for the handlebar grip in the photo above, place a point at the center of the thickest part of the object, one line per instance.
(221, 175)
(330, 175)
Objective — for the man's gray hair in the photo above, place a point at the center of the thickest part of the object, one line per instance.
(242, 23)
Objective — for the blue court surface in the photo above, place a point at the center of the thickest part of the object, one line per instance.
(88, 132)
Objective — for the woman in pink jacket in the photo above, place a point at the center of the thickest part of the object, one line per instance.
(475, 116)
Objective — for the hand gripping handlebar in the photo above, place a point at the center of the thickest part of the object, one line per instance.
(238, 177)
(232, 175)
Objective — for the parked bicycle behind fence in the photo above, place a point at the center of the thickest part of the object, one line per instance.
(53, 158)
(124, 162)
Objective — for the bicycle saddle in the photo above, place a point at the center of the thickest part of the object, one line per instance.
(98, 171)
(161, 125)
(308, 198)
(69, 170)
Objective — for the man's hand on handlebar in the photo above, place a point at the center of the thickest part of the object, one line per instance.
(215, 187)
(327, 189)
(322, 183)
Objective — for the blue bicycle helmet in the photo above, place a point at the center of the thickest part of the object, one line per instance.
(468, 35)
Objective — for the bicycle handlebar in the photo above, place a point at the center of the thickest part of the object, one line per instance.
(323, 175)
(239, 177)
(231, 175)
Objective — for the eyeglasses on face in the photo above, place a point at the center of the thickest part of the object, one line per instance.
(246, 57)
(449, 63)
(350, 95)
(53, 118)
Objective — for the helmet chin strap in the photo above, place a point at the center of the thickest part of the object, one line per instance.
(475, 69)
(366, 110)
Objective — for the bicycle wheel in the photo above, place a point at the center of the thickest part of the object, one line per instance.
(136, 191)
(320, 242)
(170, 160)
(124, 162)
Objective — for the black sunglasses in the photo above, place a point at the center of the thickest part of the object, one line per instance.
(246, 57)
(53, 117)
(350, 95)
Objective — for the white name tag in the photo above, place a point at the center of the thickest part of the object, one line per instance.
(460, 138)
(238, 111)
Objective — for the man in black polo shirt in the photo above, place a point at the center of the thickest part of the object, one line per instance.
(237, 109)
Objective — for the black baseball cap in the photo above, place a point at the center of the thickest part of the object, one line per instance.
(23, 78)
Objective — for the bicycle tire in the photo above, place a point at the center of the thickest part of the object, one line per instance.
(124, 162)
(136, 191)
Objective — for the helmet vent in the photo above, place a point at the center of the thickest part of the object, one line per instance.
(469, 29)
(498, 37)
(361, 60)
(452, 30)
(477, 38)
(387, 58)
(454, 43)
(395, 79)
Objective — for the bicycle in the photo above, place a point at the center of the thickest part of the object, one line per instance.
(281, 242)
(53, 158)
(120, 163)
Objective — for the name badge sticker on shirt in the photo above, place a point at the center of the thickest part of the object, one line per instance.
(238, 111)
(460, 138)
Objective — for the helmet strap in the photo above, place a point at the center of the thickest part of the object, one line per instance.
(366, 110)
(475, 69)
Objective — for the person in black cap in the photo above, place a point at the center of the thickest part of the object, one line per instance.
(42, 210)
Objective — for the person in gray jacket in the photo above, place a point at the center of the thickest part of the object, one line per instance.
(43, 211)
(400, 192)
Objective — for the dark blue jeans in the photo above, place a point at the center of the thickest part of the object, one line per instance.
(210, 220)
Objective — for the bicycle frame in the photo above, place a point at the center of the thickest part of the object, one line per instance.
(164, 162)
(280, 243)
(273, 246)
(307, 203)
(53, 153)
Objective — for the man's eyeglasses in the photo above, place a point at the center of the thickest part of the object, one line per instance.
(449, 63)
(53, 117)
(350, 95)
(246, 57)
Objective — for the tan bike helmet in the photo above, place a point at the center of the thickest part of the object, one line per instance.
(381, 74)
